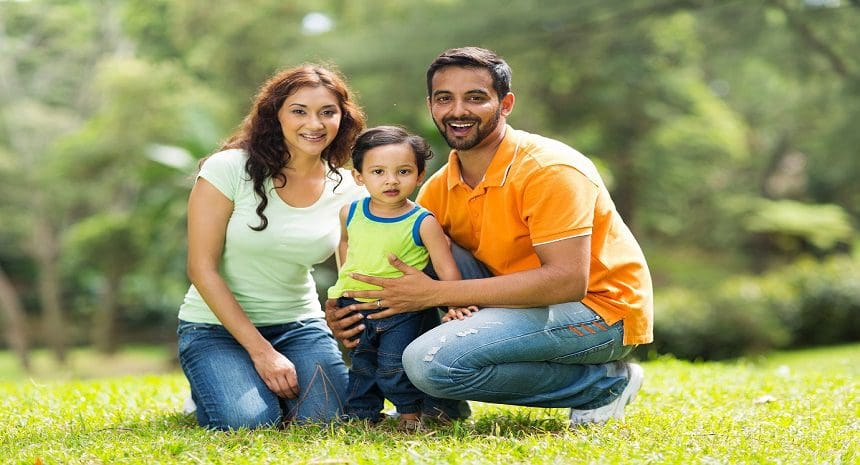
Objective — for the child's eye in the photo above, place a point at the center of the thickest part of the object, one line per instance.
(405, 171)
(376, 171)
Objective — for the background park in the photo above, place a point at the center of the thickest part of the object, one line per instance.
(727, 132)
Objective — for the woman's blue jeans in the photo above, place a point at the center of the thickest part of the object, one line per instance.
(229, 392)
(555, 356)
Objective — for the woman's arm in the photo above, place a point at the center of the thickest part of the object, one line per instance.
(343, 244)
(208, 213)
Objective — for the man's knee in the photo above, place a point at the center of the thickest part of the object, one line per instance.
(427, 376)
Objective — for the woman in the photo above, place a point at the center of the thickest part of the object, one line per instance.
(264, 210)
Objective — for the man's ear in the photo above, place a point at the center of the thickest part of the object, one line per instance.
(357, 176)
(507, 105)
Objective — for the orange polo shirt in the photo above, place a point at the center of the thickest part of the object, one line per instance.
(538, 190)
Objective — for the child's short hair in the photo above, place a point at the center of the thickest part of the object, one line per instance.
(389, 135)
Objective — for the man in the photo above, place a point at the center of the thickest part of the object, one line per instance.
(564, 289)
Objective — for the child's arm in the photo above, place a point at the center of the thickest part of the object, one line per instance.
(340, 252)
(443, 262)
(439, 249)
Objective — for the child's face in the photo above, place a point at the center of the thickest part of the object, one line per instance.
(390, 173)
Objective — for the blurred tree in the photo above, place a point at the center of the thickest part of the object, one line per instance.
(16, 324)
(145, 114)
(41, 99)
(705, 117)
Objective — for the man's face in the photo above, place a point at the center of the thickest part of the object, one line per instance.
(464, 106)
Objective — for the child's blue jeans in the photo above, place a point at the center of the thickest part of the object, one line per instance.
(377, 366)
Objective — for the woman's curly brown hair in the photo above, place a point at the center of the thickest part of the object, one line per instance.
(260, 133)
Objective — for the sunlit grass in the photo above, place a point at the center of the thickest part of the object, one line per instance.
(790, 408)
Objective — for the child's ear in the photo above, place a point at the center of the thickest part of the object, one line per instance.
(357, 176)
(421, 177)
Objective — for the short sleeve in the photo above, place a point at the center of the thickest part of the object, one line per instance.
(558, 203)
(225, 170)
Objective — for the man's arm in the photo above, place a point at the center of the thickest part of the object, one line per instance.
(562, 277)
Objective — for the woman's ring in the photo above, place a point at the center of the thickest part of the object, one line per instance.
(379, 303)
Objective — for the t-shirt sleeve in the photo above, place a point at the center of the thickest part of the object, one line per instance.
(224, 171)
(559, 203)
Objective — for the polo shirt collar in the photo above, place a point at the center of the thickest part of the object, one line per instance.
(497, 172)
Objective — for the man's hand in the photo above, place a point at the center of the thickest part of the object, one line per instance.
(344, 322)
(411, 292)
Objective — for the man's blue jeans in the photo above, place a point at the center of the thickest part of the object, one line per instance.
(229, 392)
(555, 356)
(377, 367)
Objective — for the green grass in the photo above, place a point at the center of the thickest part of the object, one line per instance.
(788, 408)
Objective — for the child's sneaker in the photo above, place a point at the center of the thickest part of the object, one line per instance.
(409, 425)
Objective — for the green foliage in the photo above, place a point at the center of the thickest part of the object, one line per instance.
(701, 325)
(794, 224)
(691, 109)
(807, 303)
(792, 408)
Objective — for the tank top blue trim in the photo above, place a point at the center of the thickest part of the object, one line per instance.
(365, 207)
(416, 236)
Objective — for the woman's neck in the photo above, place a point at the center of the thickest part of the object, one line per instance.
(303, 167)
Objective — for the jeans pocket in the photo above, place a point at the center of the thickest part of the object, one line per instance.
(188, 332)
(600, 353)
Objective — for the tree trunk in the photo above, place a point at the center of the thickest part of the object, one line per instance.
(104, 321)
(16, 322)
(626, 189)
(46, 252)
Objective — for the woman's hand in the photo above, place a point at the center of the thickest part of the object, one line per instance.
(278, 372)
(344, 322)
(411, 292)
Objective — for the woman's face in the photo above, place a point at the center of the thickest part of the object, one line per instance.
(310, 119)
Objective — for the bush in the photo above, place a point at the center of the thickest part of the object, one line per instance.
(806, 304)
(693, 325)
(827, 310)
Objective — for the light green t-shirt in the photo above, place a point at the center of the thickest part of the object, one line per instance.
(269, 271)
(371, 239)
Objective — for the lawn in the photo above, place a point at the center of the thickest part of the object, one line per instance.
(787, 408)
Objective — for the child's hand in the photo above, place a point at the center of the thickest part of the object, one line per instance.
(458, 313)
